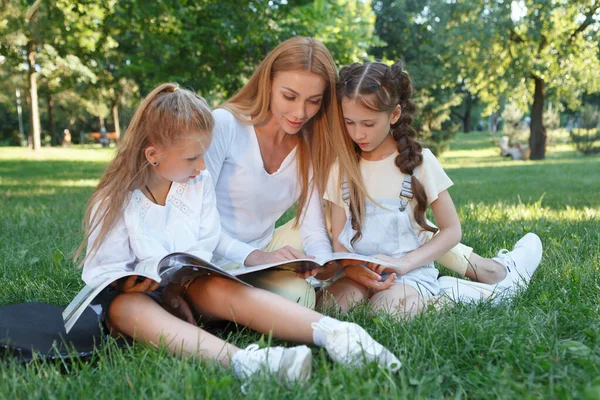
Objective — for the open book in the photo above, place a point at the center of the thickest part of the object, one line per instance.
(302, 265)
(184, 267)
(173, 268)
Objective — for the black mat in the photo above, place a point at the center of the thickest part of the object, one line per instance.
(29, 328)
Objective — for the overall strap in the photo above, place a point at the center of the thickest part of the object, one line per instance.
(406, 193)
(345, 191)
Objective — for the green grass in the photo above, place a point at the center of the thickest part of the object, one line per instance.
(544, 344)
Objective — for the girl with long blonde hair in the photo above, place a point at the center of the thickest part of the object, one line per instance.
(156, 198)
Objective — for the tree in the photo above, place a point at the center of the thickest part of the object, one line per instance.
(414, 31)
(532, 50)
(45, 36)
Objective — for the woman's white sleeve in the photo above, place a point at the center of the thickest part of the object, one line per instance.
(233, 249)
(221, 143)
(313, 230)
(113, 255)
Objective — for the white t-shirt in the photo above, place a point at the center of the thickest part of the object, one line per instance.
(249, 199)
(188, 222)
(383, 180)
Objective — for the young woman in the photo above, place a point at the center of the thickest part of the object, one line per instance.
(273, 147)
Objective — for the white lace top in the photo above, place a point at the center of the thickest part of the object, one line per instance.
(188, 222)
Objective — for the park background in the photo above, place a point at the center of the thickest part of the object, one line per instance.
(483, 70)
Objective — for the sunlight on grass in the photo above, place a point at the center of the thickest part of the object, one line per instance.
(74, 153)
(47, 182)
(522, 212)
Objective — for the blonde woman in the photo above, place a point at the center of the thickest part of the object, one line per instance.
(273, 147)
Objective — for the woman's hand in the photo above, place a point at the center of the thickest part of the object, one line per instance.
(258, 257)
(135, 284)
(175, 303)
(369, 278)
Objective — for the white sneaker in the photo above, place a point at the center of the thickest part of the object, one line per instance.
(289, 364)
(351, 345)
(520, 264)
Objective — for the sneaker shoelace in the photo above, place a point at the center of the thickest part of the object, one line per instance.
(252, 357)
(505, 256)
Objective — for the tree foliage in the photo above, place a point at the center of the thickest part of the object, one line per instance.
(532, 50)
(108, 52)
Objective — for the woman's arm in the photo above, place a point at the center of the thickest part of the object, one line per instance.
(313, 230)
(222, 139)
(449, 235)
(338, 221)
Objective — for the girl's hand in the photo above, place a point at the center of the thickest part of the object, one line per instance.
(135, 284)
(369, 278)
(377, 268)
(175, 303)
(400, 266)
(307, 274)
(258, 257)
(325, 272)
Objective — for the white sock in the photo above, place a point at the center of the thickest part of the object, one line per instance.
(320, 335)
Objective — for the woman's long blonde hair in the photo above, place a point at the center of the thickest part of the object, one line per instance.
(166, 115)
(323, 136)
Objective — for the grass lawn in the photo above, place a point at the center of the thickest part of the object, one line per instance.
(544, 344)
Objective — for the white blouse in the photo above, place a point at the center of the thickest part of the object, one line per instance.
(250, 200)
(188, 222)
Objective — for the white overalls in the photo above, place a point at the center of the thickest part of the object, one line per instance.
(389, 231)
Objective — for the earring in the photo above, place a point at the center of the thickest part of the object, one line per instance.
(155, 163)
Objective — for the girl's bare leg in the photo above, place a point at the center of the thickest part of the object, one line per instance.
(260, 310)
(485, 270)
(401, 299)
(463, 260)
(343, 294)
(130, 313)
(268, 313)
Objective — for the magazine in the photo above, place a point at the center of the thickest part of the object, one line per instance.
(301, 265)
(184, 267)
(173, 268)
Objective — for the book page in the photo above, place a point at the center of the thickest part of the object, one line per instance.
(83, 299)
(183, 267)
(299, 265)
(353, 256)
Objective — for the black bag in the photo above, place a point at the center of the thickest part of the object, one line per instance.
(37, 328)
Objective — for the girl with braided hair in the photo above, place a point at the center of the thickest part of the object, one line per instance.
(401, 180)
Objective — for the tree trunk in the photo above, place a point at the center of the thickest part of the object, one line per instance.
(101, 120)
(20, 115)
(115, 115)
(537, 138)
(35, 112)
(55, 139)
(466, 117)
